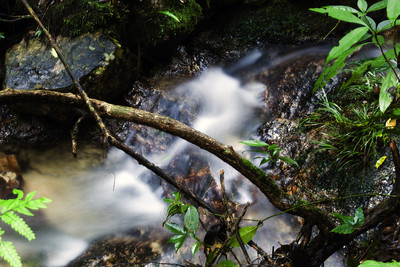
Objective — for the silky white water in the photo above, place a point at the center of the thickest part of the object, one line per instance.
(99, 194)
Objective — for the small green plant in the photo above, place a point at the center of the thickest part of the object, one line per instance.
(2, 35)
(191, 222)
(355, 121)
(9, 210)
(369, 32)
(272, 152)
(349, 223)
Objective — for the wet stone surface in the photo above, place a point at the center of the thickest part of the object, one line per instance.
(93, 59)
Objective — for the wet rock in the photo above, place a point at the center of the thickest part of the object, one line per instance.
(17, 130)
(10, 175)
(136, 248)
(101, 65)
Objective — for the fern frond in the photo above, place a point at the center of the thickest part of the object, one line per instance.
(8, 252)
(18, 224)
(37, 203)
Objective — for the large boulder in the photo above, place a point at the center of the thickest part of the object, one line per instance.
(101, 65)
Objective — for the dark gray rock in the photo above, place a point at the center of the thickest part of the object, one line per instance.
(100, 64)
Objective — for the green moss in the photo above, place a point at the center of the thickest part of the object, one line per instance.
(278, 22)
(75, 17)
(188, 13)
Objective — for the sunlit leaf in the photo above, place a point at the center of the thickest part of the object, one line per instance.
(362, 5)
(175, 228)
(371, 263)
(383, 25)
(192, 219)
(195, 247)
(378, 6)
(342, 13)
(380, 161)
(170, 15)
(254, 143)
(346, 42)
(393, 10)
(246, 234)
(384, 96)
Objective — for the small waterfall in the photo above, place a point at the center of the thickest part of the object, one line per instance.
(92, 199)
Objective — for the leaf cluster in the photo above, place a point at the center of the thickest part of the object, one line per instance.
(369, 32)
(272, 152)
(191, 221)
(349, 223)
(10, 208)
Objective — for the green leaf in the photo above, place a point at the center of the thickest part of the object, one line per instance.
(246, 234)
(346, 42)
(176, 196)
(211, 256)
(362, 5)
(168, 200)
(333, 70)
(2, 35)
(265, 160)
(192, 219)
(378, 6)
(170, 15)
(8, 253)
(358, 218)
(18, 224)
(195, 247)
(343, 229)
(38, 203)
(396, 112)
(175, 228)
(288, 160)
(226, 263)
(178, 241)
(254, 143)
(384, 96)
(379, 41)
(383, 26)
(342, 218)
(380, 161)
(372, 263)
(342, 13)
(393, 10)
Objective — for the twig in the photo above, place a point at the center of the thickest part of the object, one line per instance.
(16, 19)
(225, 199)
(235, 226)
(74, 135)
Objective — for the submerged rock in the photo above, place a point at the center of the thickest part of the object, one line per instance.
(100, 64)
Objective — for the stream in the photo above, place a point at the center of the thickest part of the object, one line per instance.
(102, 193)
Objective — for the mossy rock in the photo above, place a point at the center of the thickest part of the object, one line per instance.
(76, 17)
(126, 21)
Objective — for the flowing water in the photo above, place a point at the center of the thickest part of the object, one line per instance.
(98, 194)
